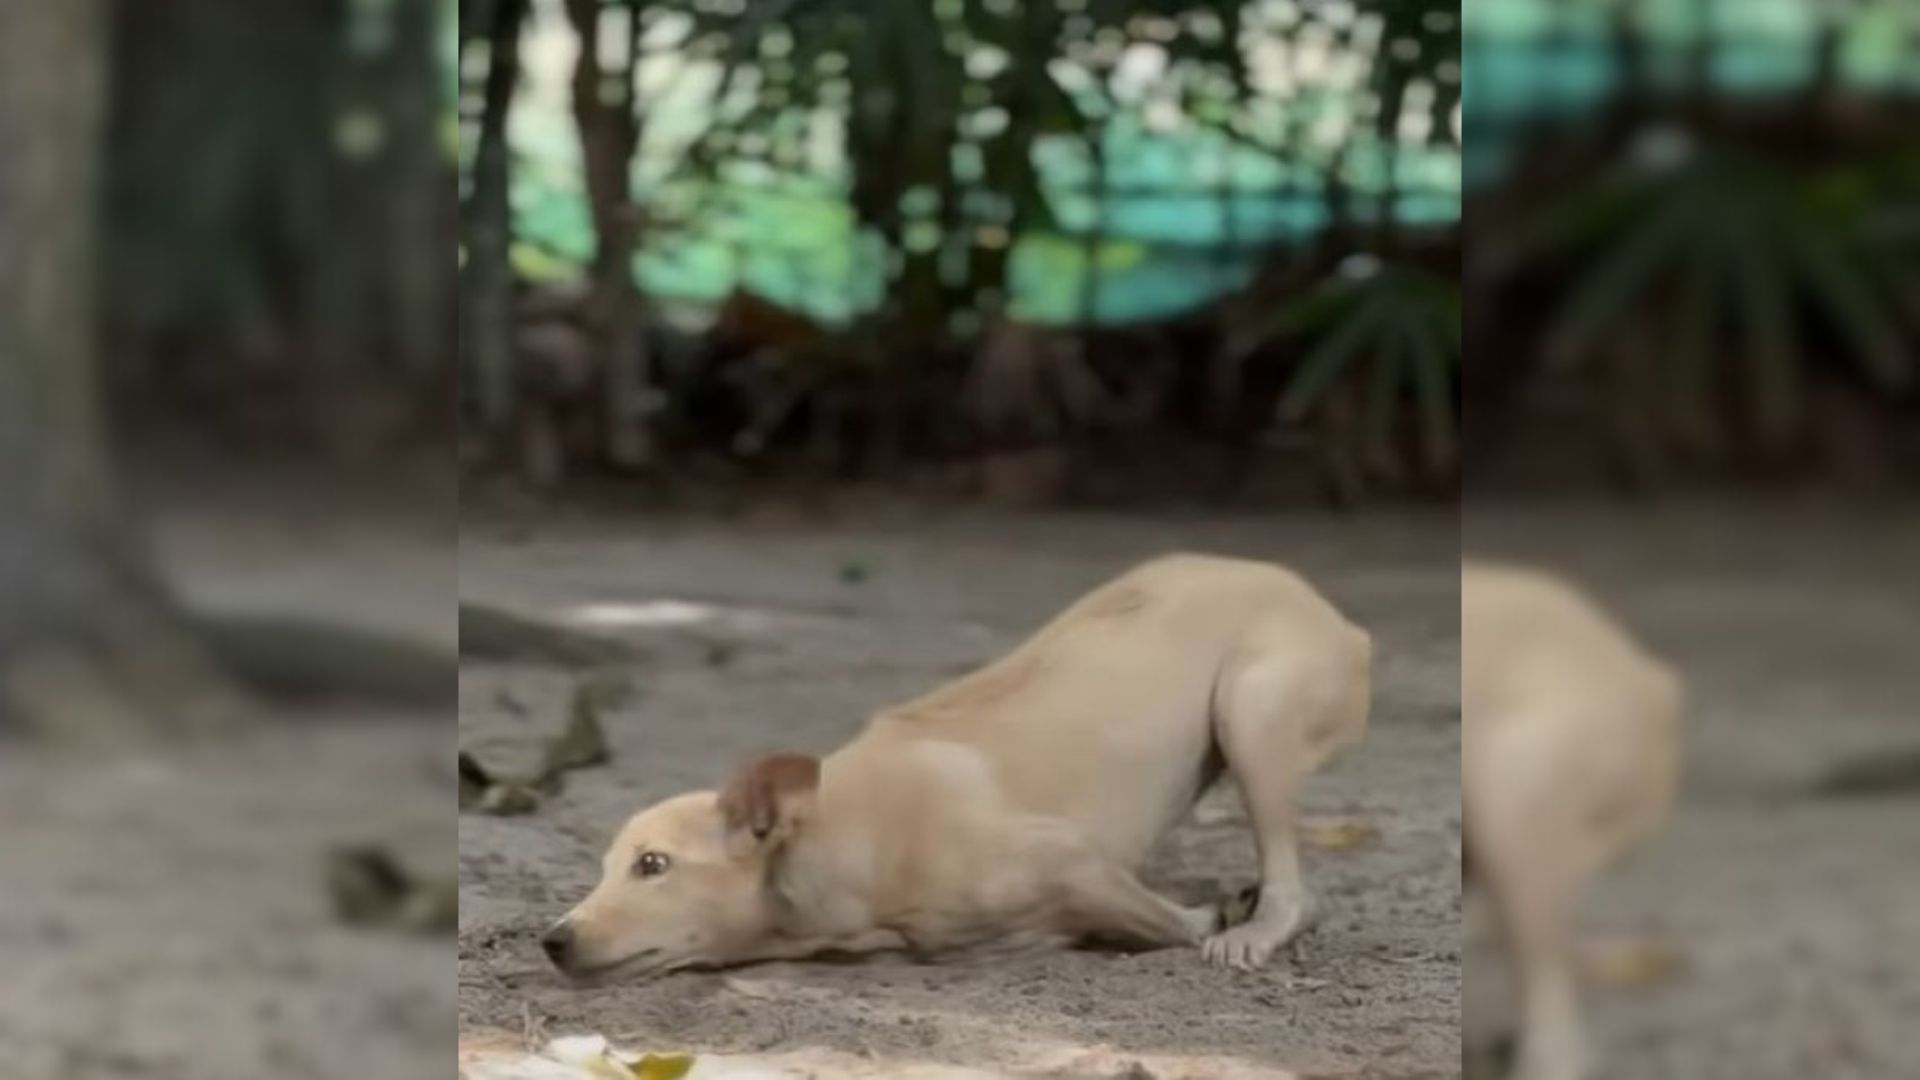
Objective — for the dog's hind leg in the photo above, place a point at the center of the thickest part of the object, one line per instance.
(1532, 859)
(1548, 806)
(1101, 899)
(1281, 709)
(1535, 902)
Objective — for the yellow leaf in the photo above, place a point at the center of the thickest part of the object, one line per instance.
(663, 1067)
(1631, 964)
(1339, 835)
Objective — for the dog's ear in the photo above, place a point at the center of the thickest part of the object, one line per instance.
(768, 798)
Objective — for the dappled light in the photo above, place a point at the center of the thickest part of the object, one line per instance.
(785, 236)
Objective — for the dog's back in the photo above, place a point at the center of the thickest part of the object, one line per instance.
(1104, 717)
(1563, 709)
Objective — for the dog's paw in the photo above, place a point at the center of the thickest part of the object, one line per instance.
(1252, 943)
(1245, 947)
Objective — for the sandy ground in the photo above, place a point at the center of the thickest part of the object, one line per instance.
(805, 628)
(1797, 919)
(165, 916)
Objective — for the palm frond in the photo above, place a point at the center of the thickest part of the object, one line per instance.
(1744, 274)
(1391, 340)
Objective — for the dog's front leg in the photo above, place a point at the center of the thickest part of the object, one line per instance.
(814, 945)
(1279, 716)
(1001, 945)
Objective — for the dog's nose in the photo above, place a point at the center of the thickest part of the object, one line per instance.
(558, 944)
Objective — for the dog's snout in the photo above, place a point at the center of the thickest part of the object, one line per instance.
(558, 944)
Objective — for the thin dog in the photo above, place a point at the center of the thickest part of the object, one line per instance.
(1010, 809)
(1570, 756)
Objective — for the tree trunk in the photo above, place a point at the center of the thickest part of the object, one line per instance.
(90, 645)
(486, 293)
(419, 238)
(604, 109)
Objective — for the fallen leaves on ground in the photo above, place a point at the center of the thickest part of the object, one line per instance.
(368, 887)
(663, 1067)
(474, 781)
(485, 793)
(498, 1056)
(597, 1057)
(1631, 964)
(1338, 834)
(581, 744)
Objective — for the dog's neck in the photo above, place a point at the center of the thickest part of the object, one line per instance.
(821, 881)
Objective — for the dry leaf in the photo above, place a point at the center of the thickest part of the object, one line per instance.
(589, 1053)
(474, 781)
(1338, 834)
(1631, 964)
(584, 741)
(368, 887)
(365, 884)
(662, 1067)
(508, 799)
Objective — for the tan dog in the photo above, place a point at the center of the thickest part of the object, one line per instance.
(1570, 755)
(1009, 809)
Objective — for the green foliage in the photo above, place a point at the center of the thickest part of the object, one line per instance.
(1743, 276)
(947, 163)
(958, 131)
(1386, 336)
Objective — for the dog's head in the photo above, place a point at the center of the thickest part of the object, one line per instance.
(685, 883)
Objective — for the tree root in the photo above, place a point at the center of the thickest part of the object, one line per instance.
(124, 693)
(150, 680)
(290, 660)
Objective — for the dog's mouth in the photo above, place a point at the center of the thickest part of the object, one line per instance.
(645, 964)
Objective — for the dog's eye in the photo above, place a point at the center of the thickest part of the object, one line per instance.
(650, 864)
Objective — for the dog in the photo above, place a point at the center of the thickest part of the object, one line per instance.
(1570, 756)
(1009, 809)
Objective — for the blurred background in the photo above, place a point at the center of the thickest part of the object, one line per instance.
(1694, 239)
(227, 344)
(1043, 252)
(1694, 329)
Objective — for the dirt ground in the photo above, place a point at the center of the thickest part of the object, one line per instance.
(804, 628)
(1796, 918)
(165, 916)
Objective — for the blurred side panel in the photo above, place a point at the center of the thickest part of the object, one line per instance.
(227, 674)
(1694, 353)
